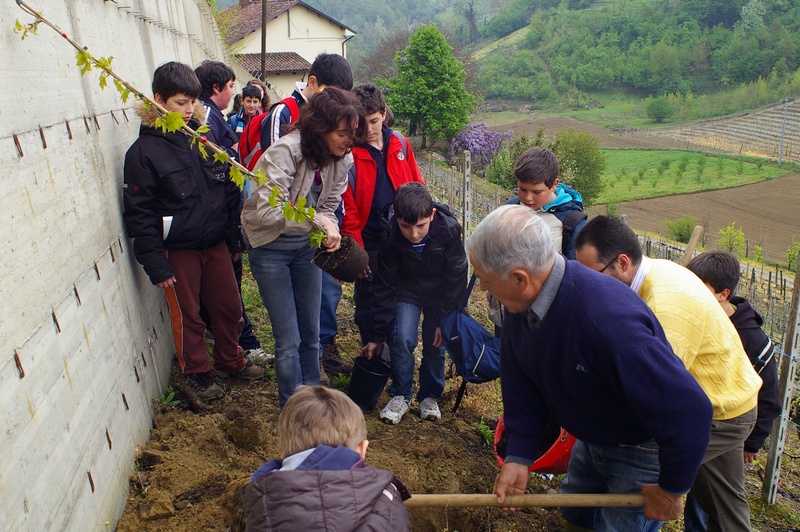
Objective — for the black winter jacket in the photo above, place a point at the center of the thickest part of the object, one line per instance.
(435, 280)
(748, 324)
(167, 177)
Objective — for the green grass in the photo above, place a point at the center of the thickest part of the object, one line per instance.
(634, 174)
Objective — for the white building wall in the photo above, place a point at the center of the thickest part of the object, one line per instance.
(85, 341)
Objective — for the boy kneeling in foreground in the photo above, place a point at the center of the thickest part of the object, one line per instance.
(321, 481)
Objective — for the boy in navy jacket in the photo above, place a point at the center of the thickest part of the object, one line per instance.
(422, 271)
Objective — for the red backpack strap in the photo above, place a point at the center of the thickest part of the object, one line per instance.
(294, 109)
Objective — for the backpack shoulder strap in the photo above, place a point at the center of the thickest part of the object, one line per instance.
(294, 109)
(470, 286)
(572, 219)
(403, 142)
(351, 179)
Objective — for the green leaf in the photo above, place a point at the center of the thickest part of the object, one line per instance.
(236, 176)
(312, 213)
(260, 177)
(84, 61)
(18, 27)
(103, 81)
(223, 157)
(273, 201)
(316, 237)
(288, 211)
(170, 122)
(203, 128)
(300, 203)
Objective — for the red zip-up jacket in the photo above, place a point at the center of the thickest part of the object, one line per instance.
(401, 169)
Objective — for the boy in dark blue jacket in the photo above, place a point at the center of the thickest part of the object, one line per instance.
(422, 271)
(182, 212)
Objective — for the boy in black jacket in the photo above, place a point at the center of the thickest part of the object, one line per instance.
(720, 272)
(422, 270)
(182, 212)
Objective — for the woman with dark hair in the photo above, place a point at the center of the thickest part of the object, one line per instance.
(311, 162)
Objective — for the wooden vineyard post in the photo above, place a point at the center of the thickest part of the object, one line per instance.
(467, 216)
(690, 247)
(777, 438)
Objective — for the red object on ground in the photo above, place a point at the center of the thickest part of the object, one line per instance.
(554, 461)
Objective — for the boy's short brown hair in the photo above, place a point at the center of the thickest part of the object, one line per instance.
(316, 415)
(719, 269)
(537, 165)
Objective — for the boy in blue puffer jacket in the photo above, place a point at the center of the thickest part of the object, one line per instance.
(559, 206)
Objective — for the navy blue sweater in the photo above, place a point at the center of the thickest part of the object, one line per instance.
(599, 363)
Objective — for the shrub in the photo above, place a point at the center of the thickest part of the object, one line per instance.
(791, 254)
(659, 109)
(732, 239)
(483, 144)
(681, 228)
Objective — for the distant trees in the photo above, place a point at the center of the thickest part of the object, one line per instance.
(687, 47)
(429, 90)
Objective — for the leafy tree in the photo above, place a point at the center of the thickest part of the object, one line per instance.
(732, 239)
(681, 228)
(659, 109)
(581, 162)
(429, 90)
(752, 16)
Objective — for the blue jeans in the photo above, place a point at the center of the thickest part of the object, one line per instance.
(402, 343)
(289, 283)
(331, 294)
(619, 469)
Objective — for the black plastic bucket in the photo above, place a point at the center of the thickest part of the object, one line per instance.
(367, 381)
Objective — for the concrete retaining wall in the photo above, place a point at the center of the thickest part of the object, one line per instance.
(84, 336)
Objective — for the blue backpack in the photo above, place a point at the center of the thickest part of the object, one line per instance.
(474, 351)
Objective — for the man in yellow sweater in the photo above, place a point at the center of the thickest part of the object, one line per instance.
(704, 338)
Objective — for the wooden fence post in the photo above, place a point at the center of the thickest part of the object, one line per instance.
(777, 438)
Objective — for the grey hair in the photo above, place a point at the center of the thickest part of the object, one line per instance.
(511, 237)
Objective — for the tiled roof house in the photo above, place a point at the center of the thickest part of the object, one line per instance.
(296, 34)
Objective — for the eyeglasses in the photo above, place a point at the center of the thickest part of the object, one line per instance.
(609, 264)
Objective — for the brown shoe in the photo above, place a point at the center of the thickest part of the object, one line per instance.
(333, 362)
(323, 377)
(204, 386)
(250, 372)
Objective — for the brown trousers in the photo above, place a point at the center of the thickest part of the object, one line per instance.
(207, 274)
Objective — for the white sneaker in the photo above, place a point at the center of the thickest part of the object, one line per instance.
(429, 409)
(393, 412)
(259, 355)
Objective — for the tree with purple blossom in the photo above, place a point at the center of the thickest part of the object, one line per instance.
(482, 143)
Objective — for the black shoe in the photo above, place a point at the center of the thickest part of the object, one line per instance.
(332, 361)
(204, 386)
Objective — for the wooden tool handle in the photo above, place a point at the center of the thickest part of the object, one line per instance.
(545, 500)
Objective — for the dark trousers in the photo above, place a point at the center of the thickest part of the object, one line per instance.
(362, 299)
(247, 339)
(207, 275)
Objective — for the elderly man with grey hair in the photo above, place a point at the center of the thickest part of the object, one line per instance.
(590, 354)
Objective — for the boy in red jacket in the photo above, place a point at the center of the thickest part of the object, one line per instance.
(381, 164)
